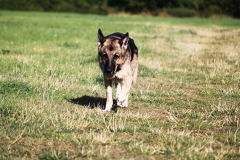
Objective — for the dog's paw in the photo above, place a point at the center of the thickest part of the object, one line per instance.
(105, 111)
(113, 109)
(122, 100)
(122, 104)
(107, 108)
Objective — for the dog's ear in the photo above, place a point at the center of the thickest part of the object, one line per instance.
(125, 41)
(100, 37)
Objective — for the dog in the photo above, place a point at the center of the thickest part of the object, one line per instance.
(118, 60)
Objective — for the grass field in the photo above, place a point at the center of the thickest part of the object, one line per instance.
(185, 104)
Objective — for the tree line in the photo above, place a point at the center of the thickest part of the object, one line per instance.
(178, 8)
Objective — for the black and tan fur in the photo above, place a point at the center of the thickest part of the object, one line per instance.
(118, 60)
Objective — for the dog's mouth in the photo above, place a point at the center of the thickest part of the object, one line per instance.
(110, 72)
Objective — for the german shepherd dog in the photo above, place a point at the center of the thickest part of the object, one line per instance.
(118, 60)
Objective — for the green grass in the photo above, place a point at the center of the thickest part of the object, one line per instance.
(185, 104)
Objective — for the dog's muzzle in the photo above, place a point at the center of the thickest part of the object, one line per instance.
(109, 70)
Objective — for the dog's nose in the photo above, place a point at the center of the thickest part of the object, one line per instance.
(109, 70)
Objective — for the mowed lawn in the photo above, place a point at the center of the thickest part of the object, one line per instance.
(185, 104)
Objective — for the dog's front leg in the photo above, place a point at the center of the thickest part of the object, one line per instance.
(109, 101)
(118, 86)
(122, 99)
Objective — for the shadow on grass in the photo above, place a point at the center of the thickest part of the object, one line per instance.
(91, 102)
(88, 101)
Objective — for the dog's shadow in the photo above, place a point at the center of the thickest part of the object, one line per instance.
(90, 102)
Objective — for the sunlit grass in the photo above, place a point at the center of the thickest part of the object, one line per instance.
(185, 104)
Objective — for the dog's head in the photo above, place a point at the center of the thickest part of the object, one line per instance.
(111, 52)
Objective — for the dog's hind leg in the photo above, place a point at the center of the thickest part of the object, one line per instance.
(135, 73)
(134, 68)
(109, 101)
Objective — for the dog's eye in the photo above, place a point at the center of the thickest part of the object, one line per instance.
(104, 55)
(116, 56)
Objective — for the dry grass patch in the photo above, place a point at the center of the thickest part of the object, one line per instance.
(185, 103)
